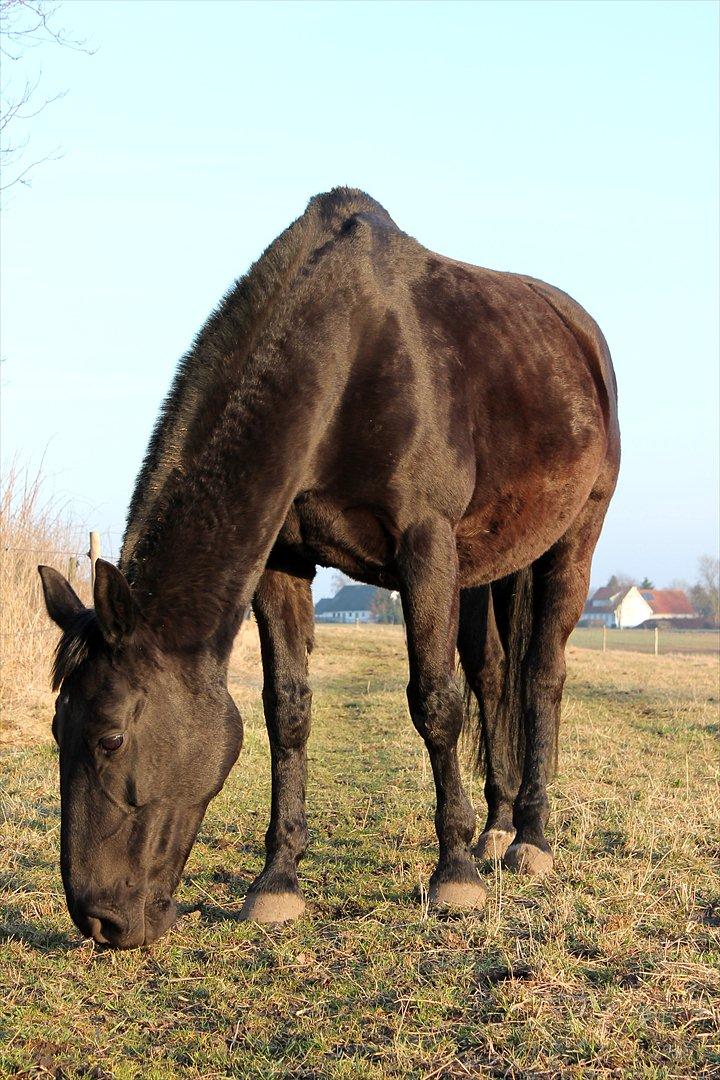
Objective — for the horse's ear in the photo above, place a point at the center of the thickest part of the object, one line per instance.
(61, 601)
(115, 606)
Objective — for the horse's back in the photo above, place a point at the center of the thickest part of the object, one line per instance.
(485, 397)
(485, 326)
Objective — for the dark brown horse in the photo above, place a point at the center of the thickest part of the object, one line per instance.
(360, 402)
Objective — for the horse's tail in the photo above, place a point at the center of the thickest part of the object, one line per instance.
(495, 627)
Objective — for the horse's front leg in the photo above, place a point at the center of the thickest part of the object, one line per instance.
(284, 611)
(428, 568)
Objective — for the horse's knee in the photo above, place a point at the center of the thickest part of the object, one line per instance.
(437, 713)
(287, 710)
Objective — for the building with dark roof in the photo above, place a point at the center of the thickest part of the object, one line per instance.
(352, 603)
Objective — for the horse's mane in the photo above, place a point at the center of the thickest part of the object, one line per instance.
(211, 369)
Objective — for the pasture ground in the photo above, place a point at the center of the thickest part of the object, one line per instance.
(610, 968)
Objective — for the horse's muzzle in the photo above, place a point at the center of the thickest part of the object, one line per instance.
(140, 924)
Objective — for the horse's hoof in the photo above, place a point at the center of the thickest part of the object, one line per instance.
(457, 895)
(528, 859)
(492, 844)
(266, 907)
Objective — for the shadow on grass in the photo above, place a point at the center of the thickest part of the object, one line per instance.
(14, 922)
(14, 926)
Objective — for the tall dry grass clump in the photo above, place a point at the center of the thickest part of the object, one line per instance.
(33, 529)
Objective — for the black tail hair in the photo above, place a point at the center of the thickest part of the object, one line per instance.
(512, 608)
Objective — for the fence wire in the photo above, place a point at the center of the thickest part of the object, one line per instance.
(703, 642)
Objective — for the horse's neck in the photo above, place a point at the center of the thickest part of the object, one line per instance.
(231, 448)
(224, 460)
(210, 374)
(195, 566)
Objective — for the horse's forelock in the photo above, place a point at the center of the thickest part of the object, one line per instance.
(82, 639)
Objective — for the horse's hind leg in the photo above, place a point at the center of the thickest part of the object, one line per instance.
(560, 584)
(427, 563)
(284, 611)
(484, 662)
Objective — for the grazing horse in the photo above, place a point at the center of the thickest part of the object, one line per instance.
(360, 402)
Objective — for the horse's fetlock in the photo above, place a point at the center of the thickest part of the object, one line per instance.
(458, 866)
(286, 842)
(279, 876)
(530, 815)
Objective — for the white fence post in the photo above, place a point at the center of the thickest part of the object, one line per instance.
(94, 554)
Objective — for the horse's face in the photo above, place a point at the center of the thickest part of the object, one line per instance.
(146, 740)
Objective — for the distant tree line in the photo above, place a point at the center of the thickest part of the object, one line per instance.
(387, 608)
(705, 593)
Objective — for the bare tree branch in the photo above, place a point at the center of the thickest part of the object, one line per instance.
(26, 25)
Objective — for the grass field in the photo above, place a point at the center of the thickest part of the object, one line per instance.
(610, 968)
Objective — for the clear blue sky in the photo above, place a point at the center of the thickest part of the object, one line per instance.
(576, 142)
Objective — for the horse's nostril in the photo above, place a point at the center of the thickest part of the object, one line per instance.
(105, 928)
(95, 928)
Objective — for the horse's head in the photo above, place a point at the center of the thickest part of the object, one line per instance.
(147, 737)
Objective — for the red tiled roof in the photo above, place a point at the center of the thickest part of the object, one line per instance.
(668, 601)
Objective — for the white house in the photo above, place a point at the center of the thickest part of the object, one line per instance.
(352, 603)
(633, 606)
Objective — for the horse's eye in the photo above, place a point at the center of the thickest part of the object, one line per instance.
(111, 743)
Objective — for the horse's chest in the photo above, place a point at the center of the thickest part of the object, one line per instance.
(358, 540)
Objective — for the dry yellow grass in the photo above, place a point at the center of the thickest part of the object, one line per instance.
(609, 968)
(33, 530)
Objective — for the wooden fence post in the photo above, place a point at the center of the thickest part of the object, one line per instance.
(94, 554)
(657, 640)
(72, 568)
